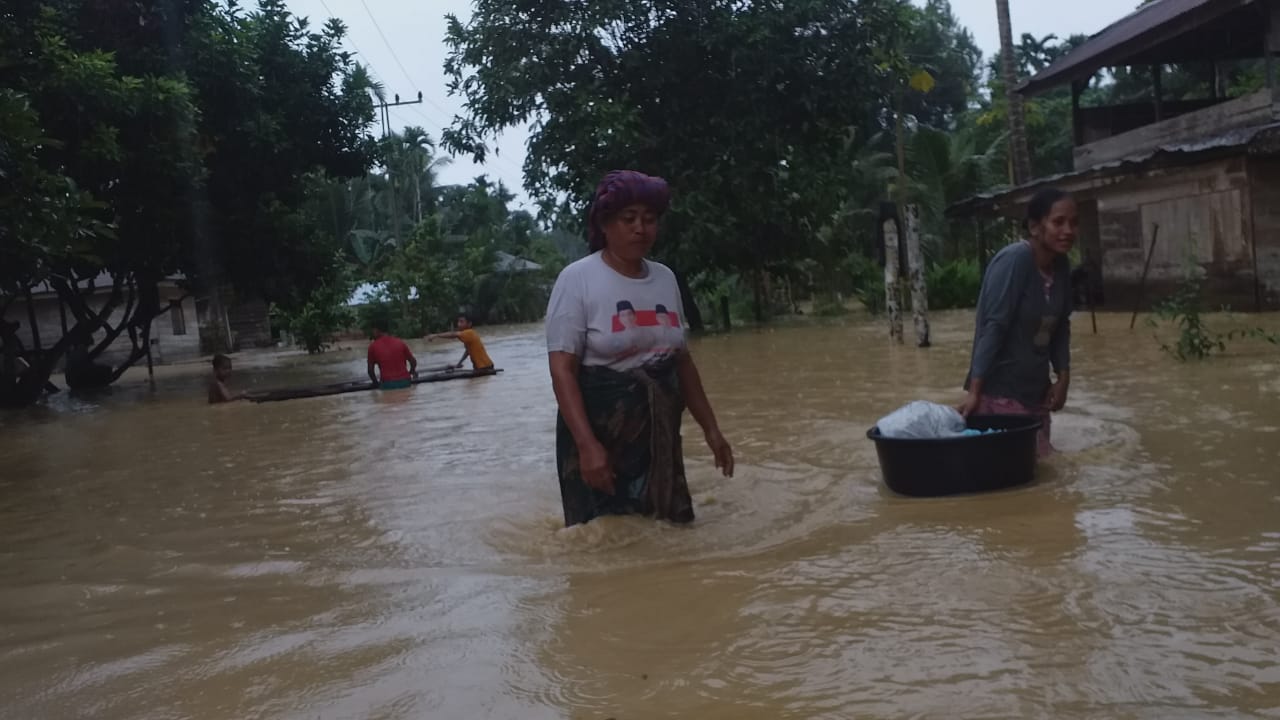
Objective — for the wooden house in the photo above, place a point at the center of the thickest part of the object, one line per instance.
(1206, 171)
(175, 335)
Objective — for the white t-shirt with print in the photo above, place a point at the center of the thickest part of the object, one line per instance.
(606, 318)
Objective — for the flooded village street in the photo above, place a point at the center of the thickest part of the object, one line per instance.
(400, 555)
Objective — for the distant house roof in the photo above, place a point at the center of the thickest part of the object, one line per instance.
(506, 262)
(503, 263)
(1163, 32)
(101, 282)
(1261, 140)
(366, 293)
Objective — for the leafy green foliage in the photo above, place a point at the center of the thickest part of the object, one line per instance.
(280, 102)
(457, 260)
(1048, 116)
(190, 131)
(44, 218)
(1196, 341)
(746, 110)
(944, 49)
(955, 284)
(829, 305)
(1184, 308)
(316, 321)
(868, 279)
(946, 167)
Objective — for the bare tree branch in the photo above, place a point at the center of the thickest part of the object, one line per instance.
(68, 289)
(114, 332)
(139, 350)
(133, 337)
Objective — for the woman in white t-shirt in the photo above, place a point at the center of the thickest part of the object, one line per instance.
(621, 368)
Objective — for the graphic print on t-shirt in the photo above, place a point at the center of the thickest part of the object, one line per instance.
(1048, 323)
(628, 317)
(656, 333)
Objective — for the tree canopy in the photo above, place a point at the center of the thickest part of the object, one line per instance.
(229, 146)
(759, 114)
(155, 139)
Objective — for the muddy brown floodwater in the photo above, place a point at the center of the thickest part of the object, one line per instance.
(400, 555)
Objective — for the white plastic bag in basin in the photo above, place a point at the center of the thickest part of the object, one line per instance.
(922, 420)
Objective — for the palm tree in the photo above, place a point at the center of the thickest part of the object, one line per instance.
(417, 160)
(1017, 120)
(947, 167)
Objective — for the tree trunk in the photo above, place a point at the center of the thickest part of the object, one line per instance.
(35, 380)
(1021, 158)
(900, 148)
(31, 319)
(137, 318)
(892, 292)
(222, 340)
(139, 324)
(417, 197)
(758, 302)
(691, 312)
(915, 262)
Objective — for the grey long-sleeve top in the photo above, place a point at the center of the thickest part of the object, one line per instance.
(1020, 329)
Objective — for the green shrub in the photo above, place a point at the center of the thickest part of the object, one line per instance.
(1195, 340)
(954, 285)
(828, 305)
(710, 288)
(314, 323)
(868, 282)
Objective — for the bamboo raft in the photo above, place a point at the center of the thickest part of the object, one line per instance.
(311, 391)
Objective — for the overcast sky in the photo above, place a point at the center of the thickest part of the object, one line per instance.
(403, 42)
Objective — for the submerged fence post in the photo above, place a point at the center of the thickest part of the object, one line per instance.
(917, 273)
(1146, 268)
(892, 271)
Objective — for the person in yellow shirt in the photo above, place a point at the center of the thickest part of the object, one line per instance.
(470, 339)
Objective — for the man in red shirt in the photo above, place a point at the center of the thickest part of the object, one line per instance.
(394, 359)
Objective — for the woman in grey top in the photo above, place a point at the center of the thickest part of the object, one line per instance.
(1023, 324)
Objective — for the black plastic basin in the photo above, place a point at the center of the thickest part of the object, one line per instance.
(950, 466)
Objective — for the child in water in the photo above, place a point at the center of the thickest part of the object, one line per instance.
(218, 392)
(470, 339)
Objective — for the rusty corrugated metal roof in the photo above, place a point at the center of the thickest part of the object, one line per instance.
(1260, 139)
(1150, 24)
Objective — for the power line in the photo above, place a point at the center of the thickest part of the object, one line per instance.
(434, 122)
(396, 57)
(390, 49)
(385, 108)
(347, 37)
(438, 106)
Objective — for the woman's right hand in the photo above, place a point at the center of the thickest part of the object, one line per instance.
(593, 461)
(970, 404)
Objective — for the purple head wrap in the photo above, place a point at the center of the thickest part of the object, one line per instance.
(619, 189)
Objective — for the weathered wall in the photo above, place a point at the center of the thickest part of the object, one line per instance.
(248, 318)
(1205, 216)
(173, 346)
(1264, 174)
(1090, 245)
(1250, 110)
(243, 322)
(1099, 123)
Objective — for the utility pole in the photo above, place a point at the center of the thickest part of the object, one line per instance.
(385, 112)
